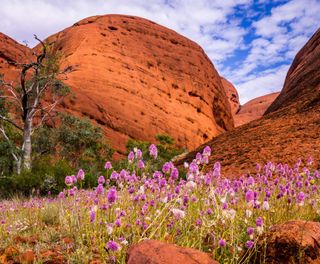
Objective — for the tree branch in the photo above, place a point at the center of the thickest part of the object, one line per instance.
(51, 106)
(7, 138)
(37, 99)
(9, 97)
(41, 57)
(11, 122)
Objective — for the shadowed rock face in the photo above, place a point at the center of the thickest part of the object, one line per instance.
(254, 109)
(303, 76)
(12, 52)
(138, 79)
(283, 135)
(233, 96)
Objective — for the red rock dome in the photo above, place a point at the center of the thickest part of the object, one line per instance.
(254, 109)
(137, 79)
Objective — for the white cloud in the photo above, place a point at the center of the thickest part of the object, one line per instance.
(21, 19)
(278, 38)
(264, 83)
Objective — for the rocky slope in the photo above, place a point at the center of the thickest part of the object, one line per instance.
(290, 130)
(254, 109)
(137, 79)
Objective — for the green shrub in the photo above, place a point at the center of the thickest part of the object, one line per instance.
(45, 176)
(166, 151)
(57, 152)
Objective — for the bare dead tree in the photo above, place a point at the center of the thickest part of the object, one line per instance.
(31, 103)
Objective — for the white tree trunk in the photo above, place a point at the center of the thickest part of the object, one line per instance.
(18, 164)
(26, 147)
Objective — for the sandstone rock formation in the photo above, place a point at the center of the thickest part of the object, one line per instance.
(12, 52)
(156, 252)
(302, 78)
(254, 109)
(137, 79)
(285, 135)
(232, 95)
(290, 242)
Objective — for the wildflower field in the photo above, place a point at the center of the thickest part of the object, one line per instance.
(199, 209)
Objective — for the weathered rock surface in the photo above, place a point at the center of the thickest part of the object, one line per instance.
(285, 135)
(290, 242)
(254, 109)
(156, 252)
(302, 77)
(137, 79)
(232, 94)
(12, 52)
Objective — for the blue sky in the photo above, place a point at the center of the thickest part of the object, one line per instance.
(251, 42)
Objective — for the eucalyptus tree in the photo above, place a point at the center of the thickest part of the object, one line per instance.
(27, 106)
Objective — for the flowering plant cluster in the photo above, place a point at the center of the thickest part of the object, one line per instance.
(205, 210)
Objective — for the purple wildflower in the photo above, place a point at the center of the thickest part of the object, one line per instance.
(206, 151)
(100, 189)
(153, 151)
(178, 214)
(310, 161)
(249, 244)
(93, 216)
(193, 167)
(141, 164)
(199, 222)
(250, 181)
(108, 165)
(300, 198)
(174, 174)
(114, 175)
(117, 223)
(112, 195)
(250, 231)
(113, 246)
(130, 156)
(222, 243)
(138, 154)
(80, 175)
(68, 180)
(74, 179)
(258, 167)
(259, 222)
(249, 196)
(167, 167)
(198, 157)
(101, 180)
